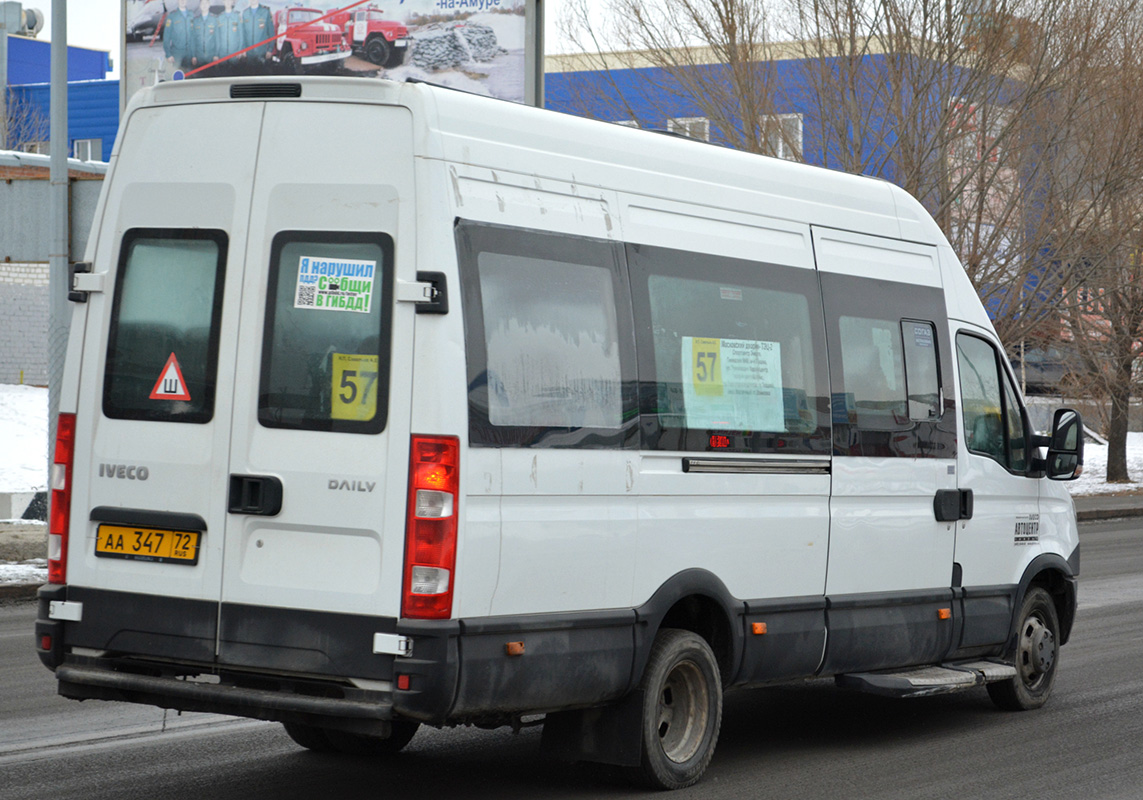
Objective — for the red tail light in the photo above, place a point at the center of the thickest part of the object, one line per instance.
(430, 532)
(60, 487)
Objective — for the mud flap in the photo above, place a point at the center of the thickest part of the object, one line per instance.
(609, 734)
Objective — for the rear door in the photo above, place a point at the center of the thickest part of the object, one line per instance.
(317, 475)
(149, 502)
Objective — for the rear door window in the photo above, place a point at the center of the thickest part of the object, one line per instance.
(162, 352)
(325, 351)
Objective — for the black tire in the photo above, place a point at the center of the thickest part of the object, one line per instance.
(289, 63)
(310, 737)
(396, 57)
(1035, 657)
(359, 744)
(682, 710)
(377, 50)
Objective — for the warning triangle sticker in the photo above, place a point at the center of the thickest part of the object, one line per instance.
(170, 385)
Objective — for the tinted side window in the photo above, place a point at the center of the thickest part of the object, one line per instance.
(549, 341)
(888, 351)
(162, 351)
(731, 354)
(993, 424)
(325, 350)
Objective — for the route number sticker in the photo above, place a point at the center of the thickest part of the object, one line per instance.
(354, 387)
(732, 384)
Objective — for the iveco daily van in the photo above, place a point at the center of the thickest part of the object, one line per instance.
(388, 405)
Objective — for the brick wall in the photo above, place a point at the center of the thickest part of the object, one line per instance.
(24, 310)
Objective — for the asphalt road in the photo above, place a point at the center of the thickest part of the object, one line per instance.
(805, 741)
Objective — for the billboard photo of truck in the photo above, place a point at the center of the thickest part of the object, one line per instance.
(475, 46)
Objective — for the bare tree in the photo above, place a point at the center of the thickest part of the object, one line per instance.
(1103, 309)
(970, 106)
(25, 124)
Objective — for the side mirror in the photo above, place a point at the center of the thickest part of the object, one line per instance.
(1065, 446)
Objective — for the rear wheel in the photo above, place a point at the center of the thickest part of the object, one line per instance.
(1035, 658)
(310, 737)
(359, 744)
(377, 50)
(682, 710)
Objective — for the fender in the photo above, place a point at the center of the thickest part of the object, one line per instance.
(1061, 581)
(688, 583)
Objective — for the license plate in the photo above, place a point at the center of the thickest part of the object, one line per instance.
(147, 544)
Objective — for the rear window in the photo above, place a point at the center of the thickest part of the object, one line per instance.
(325, 352)
(162, 351)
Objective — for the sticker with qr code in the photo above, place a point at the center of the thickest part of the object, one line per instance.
(335, 285)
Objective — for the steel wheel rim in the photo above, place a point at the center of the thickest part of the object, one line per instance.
(683, 710)
(1037, 653)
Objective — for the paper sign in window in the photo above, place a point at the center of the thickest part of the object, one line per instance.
(354, 387)
(732, 384)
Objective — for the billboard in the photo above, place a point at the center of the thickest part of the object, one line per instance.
(490, 47)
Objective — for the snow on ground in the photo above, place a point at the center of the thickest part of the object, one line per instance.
(23, 438)
(1093, 480)
(24, 447)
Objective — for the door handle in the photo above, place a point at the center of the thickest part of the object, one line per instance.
(950, 505)
(255, 494)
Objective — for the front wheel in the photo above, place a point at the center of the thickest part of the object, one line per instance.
(377, 50)
(682, 710)
(1035, 658)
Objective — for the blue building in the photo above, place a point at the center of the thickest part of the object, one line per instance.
(93, 101)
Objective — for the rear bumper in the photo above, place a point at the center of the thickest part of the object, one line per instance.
(304, 666)
(88, 679)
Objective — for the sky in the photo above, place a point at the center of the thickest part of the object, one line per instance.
(96, 24)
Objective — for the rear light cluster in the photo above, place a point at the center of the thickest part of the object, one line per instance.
(61, 498)
(430, 533)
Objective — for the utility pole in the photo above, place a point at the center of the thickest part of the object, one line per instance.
(58, 200)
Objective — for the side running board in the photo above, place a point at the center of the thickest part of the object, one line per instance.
(925, 681)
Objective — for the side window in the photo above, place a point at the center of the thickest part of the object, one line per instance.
(886, 369)
(873, 369)
(731, 354)
(993, 424)
(325, 350)
(162, 350)
(922, 370)
(549, 339)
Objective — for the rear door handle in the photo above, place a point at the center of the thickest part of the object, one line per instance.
(255, 494)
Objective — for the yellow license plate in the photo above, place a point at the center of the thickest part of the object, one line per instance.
(147, 544)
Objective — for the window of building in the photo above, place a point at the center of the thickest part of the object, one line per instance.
(550, 348)
(89, 149)
(731, 353)
(43, 148)
(694, 127)
(782, 135)
(628, 123)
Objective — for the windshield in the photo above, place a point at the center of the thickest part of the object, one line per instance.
(299, 17)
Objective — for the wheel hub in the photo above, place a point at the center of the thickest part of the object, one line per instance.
(1037, 651)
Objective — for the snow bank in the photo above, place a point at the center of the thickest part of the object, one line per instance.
(23, 438)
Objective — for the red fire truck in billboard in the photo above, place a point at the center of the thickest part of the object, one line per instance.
(370, 34)
(304, 44)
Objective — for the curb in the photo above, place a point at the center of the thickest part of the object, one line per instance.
(19, 591)
(1100, 514)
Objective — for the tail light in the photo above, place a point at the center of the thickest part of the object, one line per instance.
(60, 515)
(430, 532)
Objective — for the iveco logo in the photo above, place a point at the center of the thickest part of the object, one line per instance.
(128, 472)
